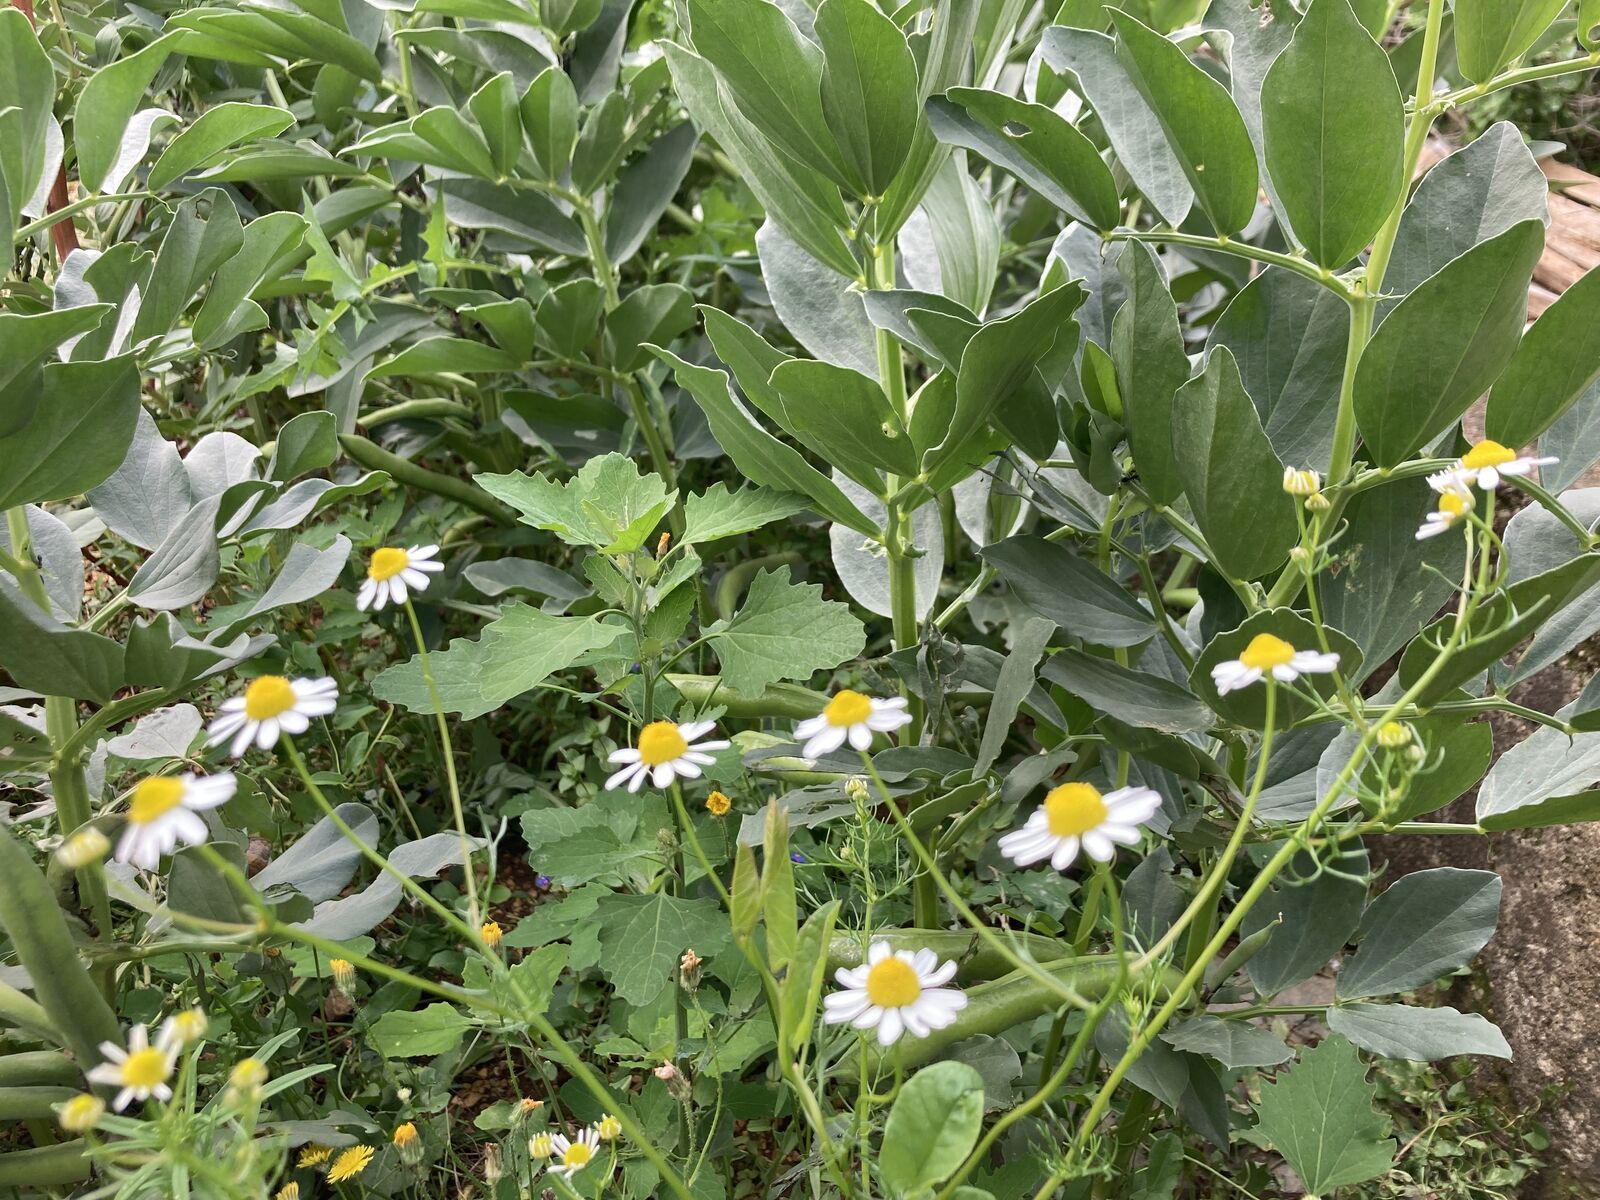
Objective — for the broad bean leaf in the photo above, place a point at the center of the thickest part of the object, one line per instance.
(1070, 591)
(1319, 1115)
(1425, 925)
(1151, 365)
(932, 1127)
(1234, 1044)
(1334, 128)
(844, 417)
(1233, 479)
(1316, 918)
(78, 434)
(1546, 779)
(1492, 33)
(1418, 1034)
(1557, 361)
(869, 90)
(210, 135)
(27, 341)
(52, 659)
(1202, 125)
(1445, 344)
(1136, 697)
(1248, 706)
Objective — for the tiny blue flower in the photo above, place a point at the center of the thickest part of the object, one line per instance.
(541, 882)
(797, 857)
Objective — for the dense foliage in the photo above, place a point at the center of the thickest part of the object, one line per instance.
(758, 599)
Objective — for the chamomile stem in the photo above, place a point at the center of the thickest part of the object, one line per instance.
(445, 748)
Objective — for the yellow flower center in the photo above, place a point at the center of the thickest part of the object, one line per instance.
(387, 563)
(718, 804)
(848, 708)
(268, 697)
(1265, 652)
(1487, 454)
(1073, 809)
(154, 797)
(660, 742)
(577, 1155)
(1452, 505)
(893, 983)
(145, 1068)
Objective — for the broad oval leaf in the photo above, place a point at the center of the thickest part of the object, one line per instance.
(1425, 925)
(932, 1127)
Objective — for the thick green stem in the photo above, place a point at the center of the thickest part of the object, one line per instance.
(1297, 263)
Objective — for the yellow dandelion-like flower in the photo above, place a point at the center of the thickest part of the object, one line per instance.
(344, 974)
(491, 933)
(409, 1143)
(313, 1155)
(718, 805)
(289, 1191)
(350, 1163)
(608, 1127)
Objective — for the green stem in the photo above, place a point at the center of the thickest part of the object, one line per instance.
(1297, 263)
(474, 910)
(55, 216)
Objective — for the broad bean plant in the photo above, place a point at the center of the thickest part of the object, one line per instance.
(734, 598)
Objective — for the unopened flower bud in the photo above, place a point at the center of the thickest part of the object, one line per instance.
(402, 1094)
(608, 1127)
(1394, 734)
(81, 1113)
(677, 1083)
(689, 971)
(1416, 753)
(491, 933)
(87, 845)
(1300, 556)
(248, 1075)
(183, 1029)
(1318, 503)
(408, 1144)
(344, 974)
(662, 543)
(856, 788)
(525, 1110)
(1301, 482)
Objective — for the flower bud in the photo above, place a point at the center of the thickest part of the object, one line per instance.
(344, 974)
(677, 1082)
(491, 933)
(689, 971)
(248, 1075)
(1300, 556)
(856, 788)
(81, 1113)
(1394, 734)
(408, 1144)
(1303, 482)
(1318, 503)
(183, 1029)
(525, 1110)
(608, 1127)
(662, 543)
(87, 845)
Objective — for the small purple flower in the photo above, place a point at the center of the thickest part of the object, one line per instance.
(542, 882)
(797, 857)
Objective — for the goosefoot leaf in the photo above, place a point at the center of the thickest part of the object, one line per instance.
(1318, 1114)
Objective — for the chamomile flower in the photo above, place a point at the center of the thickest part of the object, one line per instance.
(1267, 653)
(81, 1113)
(608, 1128)
(350, 1163)
(393, 574)
(541, 1145)
(853, 717)
(1455, 506)
(666, 752)
(895, 992)
(270, 706)
(182, 1028)
(573, 1154)
(1078, 816)
(138, 1072)
(1485, 465)
(165, 809)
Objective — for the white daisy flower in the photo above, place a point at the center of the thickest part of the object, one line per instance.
(574, 1154)
(665, 752)
(1267, 653)
(1077, 816)
(1455, 506)
(1485, 465)
(895, 992)
(140, 1071)
(850, 715)
(272, 705)
(164, 810)
(393, 573)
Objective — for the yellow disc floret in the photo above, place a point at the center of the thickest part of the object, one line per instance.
(1074, 808)
(848, 708)
(1487, 454)
(268, 697)
(660, 742)
(1265, 652)
(146, 1068)
(577, 1155)
(387, 563)
(1452, 505)
(154, 797)
(893, 983)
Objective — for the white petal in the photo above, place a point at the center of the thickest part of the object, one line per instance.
(825, 742)
(1099, 847)
(693, 729)
(415, 579)
(890, 1027)
(366, 594)
(625, 755)
(241, 742)
(942, 974)
(810, 726)
(662, 774)
(861, 736)
(1065, 853)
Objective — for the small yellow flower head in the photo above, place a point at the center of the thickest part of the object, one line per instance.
(662, 543)
(1394, 734)
(344, 975)
(493, 1164)
(289, 1191)
(248, 1075)
(1301, 482)
(718, 804)
(408, 1142)
(87, 845)
(526, 1108)
(350, 1163)
(313, 1155)
(608, 1127)
(82, 1113)
(184, 1028)
(541, 1145)
(491, 933)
